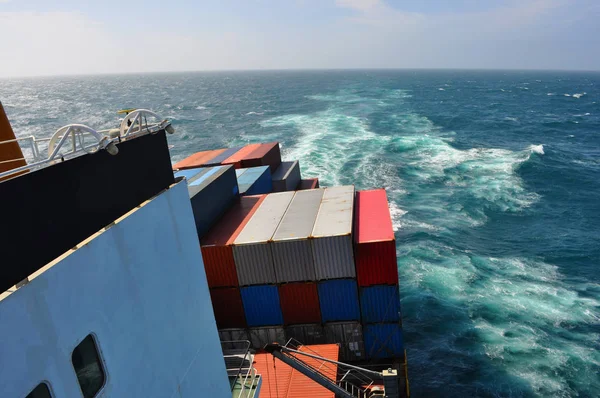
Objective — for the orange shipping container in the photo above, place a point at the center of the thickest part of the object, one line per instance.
(198, 159)
(281, 381)
(217, 251)
(236, 158)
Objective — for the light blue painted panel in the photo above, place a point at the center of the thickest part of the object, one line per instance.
(141, 289)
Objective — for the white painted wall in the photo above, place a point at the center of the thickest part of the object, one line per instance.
(140, 287)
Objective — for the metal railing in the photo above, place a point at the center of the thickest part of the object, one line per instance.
(238, 361)
(135, 124)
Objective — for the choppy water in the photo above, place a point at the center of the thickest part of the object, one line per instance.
(493, 179)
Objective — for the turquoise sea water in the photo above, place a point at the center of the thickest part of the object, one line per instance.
(494, 186)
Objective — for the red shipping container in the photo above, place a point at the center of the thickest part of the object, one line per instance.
(375, 245)
(228, 308)
(217, 252)
(265, 155)
(198, 159)
(281, 381)
(309, 183)
(236, 158)
(299, 303)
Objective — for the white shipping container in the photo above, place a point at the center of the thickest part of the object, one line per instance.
(259, 337)
(332, 234)
(292, 251)
(350, 337)
(251, 249)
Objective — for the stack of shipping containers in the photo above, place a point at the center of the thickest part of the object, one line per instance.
(377, 275)
(317, 265)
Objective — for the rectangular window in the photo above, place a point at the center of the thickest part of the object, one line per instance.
(41, 391)
(88, 367)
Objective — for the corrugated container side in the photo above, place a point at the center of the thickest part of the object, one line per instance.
(302, 386)
(261, 305)
(383, 340)
(266, 154)
(308, 183)
(228, 308)
(217, 252)
(233, 335)
(293, 261)
(211, 195)
(333, 257)
(299, 303)
(219, 266)
(286, 177)
(262, 185)
(376, 263)
(259, 337)
(275, 375)
(222, 156)
(339, 300)
(292, 251)
(350, 337)
(236, 158)
(198, 159)
(306, 334)
(380, 304)
(239, 173)
(254, 264)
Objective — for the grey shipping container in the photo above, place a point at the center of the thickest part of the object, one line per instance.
(251, 249)
(259, 337)
(306, 334)
(292, 251)
(286, 177)
(350, 337)
(332, 235)
(232, 338)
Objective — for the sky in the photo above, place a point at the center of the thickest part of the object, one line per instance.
(63, 37)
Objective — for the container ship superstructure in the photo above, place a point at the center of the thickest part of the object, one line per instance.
(224, 274)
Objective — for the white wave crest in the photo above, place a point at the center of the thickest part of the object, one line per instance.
(255, 113)
(579, 95)
(200, 108)
(539, 149)
(551, 94)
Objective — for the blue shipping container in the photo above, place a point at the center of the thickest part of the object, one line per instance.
(212, 194)
(261, 305)
(339, 300)
(255, 181)
(190, 174)
(380, 304)
(383, 340)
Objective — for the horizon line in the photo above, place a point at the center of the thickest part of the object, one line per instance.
(296, 70)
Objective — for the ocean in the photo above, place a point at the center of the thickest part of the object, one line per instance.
(494, 185)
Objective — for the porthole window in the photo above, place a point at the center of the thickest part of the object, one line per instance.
(88, 367)
(41, 391)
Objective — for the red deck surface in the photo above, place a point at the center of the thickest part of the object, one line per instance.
(281, 381)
